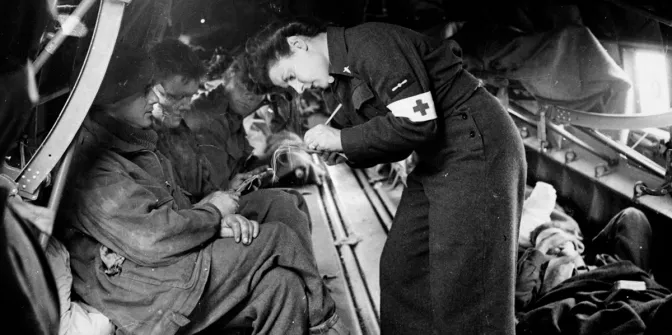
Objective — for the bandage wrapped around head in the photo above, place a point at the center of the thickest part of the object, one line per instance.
(557, 238)
(169, 110)
(128, 73)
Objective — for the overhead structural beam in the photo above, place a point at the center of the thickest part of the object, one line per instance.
(66, 30)
(631, 154)
(519, 112)
(562, 115)
(628, 152)
(642, 11)
(72, 115)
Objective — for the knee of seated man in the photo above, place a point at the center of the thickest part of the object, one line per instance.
(633, 213)
(295, 196)
(277, 198)
(287, 284)
(299, 200)
(283, 198)
(278, 232)
(633, 216)
(290, 199)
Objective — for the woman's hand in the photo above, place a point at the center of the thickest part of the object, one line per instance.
(240, 228)
(323, 138)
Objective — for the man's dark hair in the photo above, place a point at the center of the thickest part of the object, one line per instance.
(173, 58)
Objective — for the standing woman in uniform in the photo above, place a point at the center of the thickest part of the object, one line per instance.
(448, 266)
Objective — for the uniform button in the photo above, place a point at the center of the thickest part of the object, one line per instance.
(464, 116)
(472, 134)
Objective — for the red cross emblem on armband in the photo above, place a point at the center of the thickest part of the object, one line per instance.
(421, 107)
(417, 108)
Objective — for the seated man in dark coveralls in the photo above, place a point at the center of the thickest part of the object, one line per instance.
(557, 292)
(155, 263)
(178, 74)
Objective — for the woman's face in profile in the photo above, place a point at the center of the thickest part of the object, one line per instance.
(305, 68)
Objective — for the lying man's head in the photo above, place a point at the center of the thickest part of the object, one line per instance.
(555, 238)
(177, 73)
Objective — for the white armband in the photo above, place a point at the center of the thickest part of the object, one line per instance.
(417, 108)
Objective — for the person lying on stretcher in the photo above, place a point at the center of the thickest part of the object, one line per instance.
(559, 289)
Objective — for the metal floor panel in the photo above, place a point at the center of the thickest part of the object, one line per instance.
(351, 217)
(328, 259)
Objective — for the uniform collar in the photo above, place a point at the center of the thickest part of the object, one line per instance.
(119, 135)
(338, 52)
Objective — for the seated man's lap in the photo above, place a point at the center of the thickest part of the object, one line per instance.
(282, 205)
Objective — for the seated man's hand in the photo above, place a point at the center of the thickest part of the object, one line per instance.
(237, 180)
(225, 201)
(240, 228)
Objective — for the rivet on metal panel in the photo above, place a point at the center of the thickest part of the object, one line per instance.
(570, 156)
(601, 170)
(524, 132)
(562, 117)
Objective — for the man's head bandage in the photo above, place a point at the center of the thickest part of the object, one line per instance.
(550, 236)
(163, 108)
(167, 107)
(166, 99)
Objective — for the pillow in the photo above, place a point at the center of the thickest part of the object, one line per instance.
(83, 319)
(537, 210)
(77, 318)
(59, 262)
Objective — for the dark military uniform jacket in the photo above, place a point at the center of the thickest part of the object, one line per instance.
(403, 83)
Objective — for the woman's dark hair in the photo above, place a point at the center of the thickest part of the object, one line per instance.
(269, 45)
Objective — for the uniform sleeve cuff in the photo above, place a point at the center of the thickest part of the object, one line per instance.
(212, 208)
(354, 147)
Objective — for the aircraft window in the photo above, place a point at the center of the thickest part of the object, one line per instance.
(651, 81)
(649, 70)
